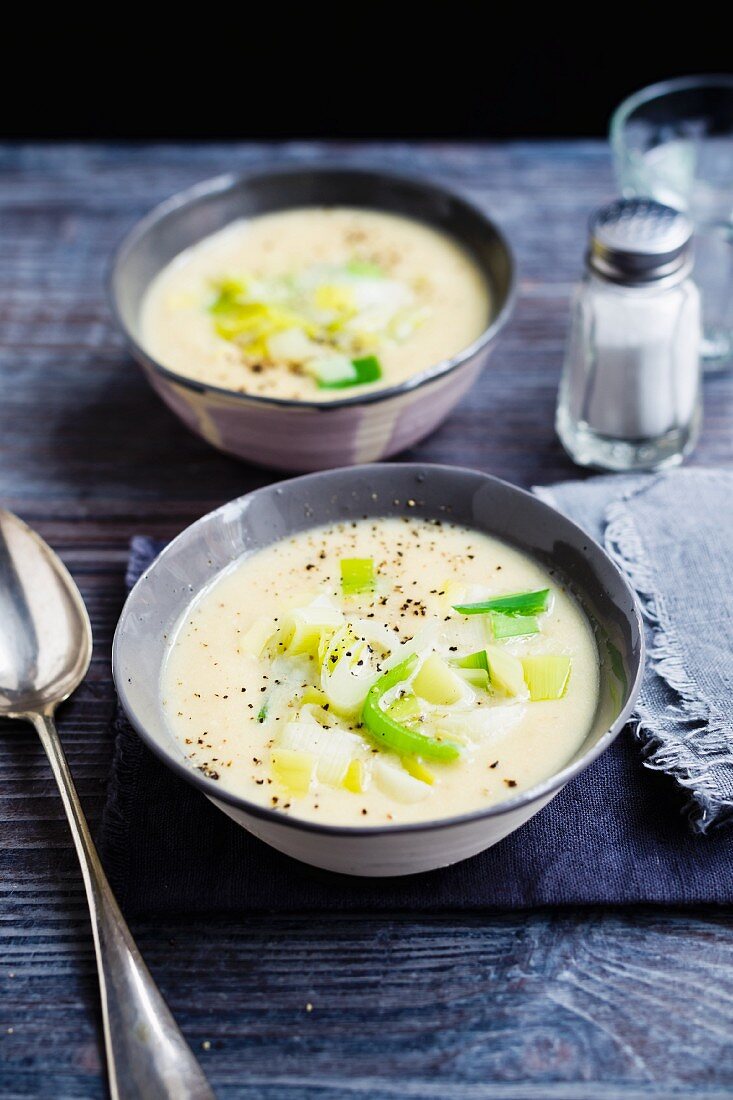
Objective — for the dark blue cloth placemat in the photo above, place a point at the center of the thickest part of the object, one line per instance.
(615, 834)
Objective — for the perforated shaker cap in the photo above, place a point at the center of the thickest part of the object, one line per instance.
(640, 241)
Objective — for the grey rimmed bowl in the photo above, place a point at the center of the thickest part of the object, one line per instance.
(204, 549)
(310, 435)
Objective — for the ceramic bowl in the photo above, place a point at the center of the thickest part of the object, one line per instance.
(245, 525)
(310, 435)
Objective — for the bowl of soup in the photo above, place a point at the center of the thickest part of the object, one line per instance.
(305, 318)
(384, 669)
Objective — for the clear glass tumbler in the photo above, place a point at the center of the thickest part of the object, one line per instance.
(673, 142)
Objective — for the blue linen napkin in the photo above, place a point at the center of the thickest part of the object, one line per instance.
(615, 834)
(672, 534)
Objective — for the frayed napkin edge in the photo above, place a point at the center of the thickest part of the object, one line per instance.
(663, 747)
(664, 737)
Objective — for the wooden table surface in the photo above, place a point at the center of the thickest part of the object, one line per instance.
(553, 1004)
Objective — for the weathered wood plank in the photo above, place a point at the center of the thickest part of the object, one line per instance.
(550, 1005)
(558, 1005)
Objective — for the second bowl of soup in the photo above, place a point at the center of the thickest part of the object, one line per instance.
(307, 318)
(384, 670)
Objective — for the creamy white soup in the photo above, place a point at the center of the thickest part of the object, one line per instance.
(382, 671)
(315, 304)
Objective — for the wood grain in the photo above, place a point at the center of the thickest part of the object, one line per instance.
(559, 1005)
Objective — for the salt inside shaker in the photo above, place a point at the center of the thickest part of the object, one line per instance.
(630, 391)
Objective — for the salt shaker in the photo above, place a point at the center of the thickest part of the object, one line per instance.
(630, 391)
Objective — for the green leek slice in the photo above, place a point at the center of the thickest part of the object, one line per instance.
(250, 321)
(293, 769)
(357, 575)
(512, 626)
(336, 372)
(321, 715)
(318, 316)
(346, 671)
(437, 683)
(314, 696)
(476, 677)
(350, 664)
(308, 625)
(332, 749)
(230, 290)
(416, 768)
(355, 779)
(332, 372)
(386, 731)
(404, 709)
(368, 369)
(472, 660)
(364, 269)
(547, 677)
(335, 298)
(506, 673)
(520, 603)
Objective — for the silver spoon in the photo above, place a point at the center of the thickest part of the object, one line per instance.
(45, 649)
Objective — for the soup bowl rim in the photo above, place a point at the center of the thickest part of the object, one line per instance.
(230, 181)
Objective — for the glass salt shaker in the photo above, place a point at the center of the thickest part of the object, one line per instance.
(630, 392)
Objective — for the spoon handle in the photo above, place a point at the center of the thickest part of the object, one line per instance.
(147, 1055)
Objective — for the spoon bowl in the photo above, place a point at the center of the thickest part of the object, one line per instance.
(45, 635)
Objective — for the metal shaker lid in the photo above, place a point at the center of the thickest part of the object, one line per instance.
(640, 241)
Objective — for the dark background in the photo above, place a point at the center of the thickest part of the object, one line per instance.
(463, 71)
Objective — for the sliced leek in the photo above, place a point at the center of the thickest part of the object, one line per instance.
(476, 677)
(472, 660)
(506, 673)
(416, 768)
(335, 297)
(368, 369)
(405, 708)
(333, 749)
(229, 292)
(519, 603)
(321, 715)
(248, 322)
(305, 626)
(347, 671)
(437, 683)
(357, 575)
(332, 371)
(314, 696)
(364, 269)
(356, 777)
(330, 319)
(293, 769)
(336, 372)
(394, 735)
(512, 626)
(547, 676)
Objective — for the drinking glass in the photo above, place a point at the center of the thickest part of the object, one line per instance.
(673, 142)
